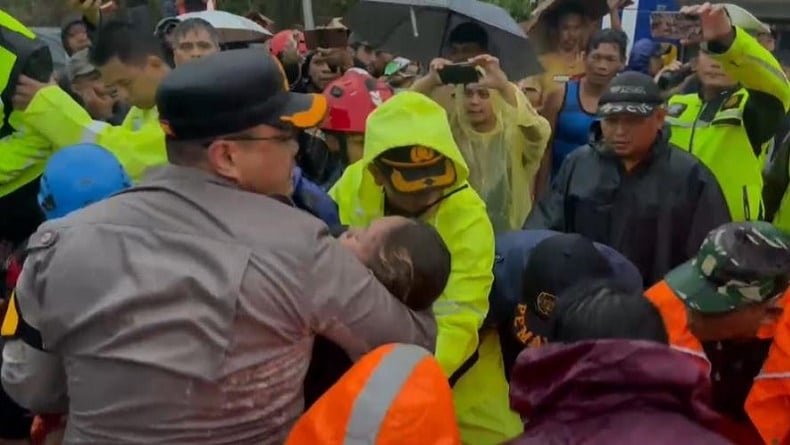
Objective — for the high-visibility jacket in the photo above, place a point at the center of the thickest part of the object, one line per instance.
(138, 142)
(23, 153)
(768, 402)
(396, 394)
(720, 136)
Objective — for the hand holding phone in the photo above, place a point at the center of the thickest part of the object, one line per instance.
(459, 74)
(676, 26)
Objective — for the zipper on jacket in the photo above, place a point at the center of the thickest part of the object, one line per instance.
(746, 210)
(694, 126)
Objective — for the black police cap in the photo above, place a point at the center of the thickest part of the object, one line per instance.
(232, 91)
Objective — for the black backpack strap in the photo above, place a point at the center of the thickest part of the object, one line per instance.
(465, 367)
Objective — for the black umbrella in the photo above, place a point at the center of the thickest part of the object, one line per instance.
(418, 30)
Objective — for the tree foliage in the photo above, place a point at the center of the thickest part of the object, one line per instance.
(285, 12)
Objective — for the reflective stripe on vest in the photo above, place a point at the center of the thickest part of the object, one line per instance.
(723, 145)
(92, 132)
(374, 400)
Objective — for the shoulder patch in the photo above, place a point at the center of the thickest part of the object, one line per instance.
(733, 101)
(675, 110)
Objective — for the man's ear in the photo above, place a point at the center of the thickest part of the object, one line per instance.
(378, 176)
(222, 157)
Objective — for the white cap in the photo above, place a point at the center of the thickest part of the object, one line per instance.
(745, 19)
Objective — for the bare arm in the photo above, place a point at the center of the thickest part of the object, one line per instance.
(550, 111)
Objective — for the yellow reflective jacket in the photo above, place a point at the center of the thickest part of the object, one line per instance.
(23, 152)
(731, 135)
(138, 142)
(481, 395)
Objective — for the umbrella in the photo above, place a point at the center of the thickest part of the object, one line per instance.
(418, 30)
(232, 28)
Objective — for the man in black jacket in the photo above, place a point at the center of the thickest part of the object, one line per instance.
(631, 189)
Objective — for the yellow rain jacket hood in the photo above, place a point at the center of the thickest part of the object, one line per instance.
(481, 395)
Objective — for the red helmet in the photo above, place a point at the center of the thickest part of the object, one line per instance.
(279, 42)
(351, 98)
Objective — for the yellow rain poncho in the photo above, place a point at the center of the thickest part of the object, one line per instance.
(481, 395)
(504, 161)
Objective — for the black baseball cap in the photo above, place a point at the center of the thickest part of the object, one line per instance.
(232, 91)
(631, 93)
(554, 265)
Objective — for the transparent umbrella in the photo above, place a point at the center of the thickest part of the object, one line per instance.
(231, 27)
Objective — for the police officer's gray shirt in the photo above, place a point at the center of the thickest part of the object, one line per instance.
(184, 311)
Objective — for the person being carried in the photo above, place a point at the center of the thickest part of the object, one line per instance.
(409, 258)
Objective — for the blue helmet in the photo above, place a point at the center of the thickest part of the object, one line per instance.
(78, 176)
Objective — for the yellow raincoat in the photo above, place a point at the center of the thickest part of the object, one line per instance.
(481, 395)
(504, 161)
(138, 142)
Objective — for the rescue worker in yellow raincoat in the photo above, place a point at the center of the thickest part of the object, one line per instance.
(411, 166)
(23, 153)
(128, 60)
(729, 124)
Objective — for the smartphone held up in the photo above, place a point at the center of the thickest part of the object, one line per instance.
(459, 74)
(675, 26)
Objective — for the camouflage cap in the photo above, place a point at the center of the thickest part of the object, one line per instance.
(738, 264)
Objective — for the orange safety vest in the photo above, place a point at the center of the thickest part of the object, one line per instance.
(396, 394)
(768, 402)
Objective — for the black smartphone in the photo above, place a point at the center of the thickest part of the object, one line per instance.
(459, 74)
(675, 26)
(326, 38)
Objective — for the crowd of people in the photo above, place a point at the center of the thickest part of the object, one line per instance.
(284, 244)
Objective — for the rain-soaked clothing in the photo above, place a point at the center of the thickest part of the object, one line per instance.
(104, 298)
(503, 162)
(612, 392)
(732, 133)
(396, 394)
(766, 399)
(656, 215)
(138, 142)
(480, 396)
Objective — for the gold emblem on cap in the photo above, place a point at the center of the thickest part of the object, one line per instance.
(421, 155)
